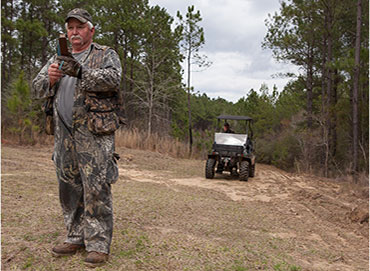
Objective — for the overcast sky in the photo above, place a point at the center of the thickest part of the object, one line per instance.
(234, 31)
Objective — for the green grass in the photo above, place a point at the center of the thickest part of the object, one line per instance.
(285, 267)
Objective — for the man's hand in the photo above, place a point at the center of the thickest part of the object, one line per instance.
(54, 73)
(69, 66)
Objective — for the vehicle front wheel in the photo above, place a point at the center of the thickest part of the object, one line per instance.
(210, 168)
(244, 171)
(251, 170)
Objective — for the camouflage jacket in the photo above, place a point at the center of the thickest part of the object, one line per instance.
(101, 75)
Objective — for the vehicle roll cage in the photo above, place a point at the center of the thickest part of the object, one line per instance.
(248, 121)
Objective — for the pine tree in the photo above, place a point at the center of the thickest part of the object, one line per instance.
(192, 41)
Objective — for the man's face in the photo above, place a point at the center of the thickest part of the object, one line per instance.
(225, 128)
(79, 35)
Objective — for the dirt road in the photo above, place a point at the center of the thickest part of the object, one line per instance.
(169, 217)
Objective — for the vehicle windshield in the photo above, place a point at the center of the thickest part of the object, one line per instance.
(233, 126)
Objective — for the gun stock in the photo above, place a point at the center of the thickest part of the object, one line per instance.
(63, 48)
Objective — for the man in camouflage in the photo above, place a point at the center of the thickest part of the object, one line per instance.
(85, 89)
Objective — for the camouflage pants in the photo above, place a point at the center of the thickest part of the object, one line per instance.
(85, 169)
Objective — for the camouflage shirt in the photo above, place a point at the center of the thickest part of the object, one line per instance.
(101, 73)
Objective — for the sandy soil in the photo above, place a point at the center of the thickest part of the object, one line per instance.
(314, 213)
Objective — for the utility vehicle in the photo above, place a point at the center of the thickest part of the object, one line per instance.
(232, 152)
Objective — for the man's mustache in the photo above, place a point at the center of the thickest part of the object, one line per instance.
(76, 37)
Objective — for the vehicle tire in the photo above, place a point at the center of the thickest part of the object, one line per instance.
(210, 168)
(251, 170)
(244, 171)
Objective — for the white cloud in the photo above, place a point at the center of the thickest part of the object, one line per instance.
(232, 75)
(227, 67)
(234, 31)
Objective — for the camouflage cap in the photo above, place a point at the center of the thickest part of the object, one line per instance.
(80, 14)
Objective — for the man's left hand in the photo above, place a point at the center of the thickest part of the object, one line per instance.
(69, 66)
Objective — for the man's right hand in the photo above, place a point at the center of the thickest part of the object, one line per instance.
(54, 73)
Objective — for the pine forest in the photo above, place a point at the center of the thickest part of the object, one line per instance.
(318, 124)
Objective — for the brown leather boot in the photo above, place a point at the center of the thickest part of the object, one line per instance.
(95, 259)
(66, 249)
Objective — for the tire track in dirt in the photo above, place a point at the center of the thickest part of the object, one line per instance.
(263, 187)
(310, 211)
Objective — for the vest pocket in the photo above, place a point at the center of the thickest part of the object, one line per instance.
(102, 118)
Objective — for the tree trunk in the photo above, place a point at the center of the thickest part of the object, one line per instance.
(7, 52)
(150, 101)
(363, 108)
(309, 93)
(150, 113)
(3, 47)
(124, 95)
(189, 106)
(30, 45)
(132, 110)
(329, 81)
(334, 100)
(309, 80)
(356, 75)
(327, 88)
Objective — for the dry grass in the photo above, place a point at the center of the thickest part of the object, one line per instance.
(38, 140)
(357, 185)
(132, 139)
(162, 224)
(135, 139)
(157, 227)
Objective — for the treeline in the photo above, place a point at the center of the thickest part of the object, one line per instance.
(318, 123)
(329, 41)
